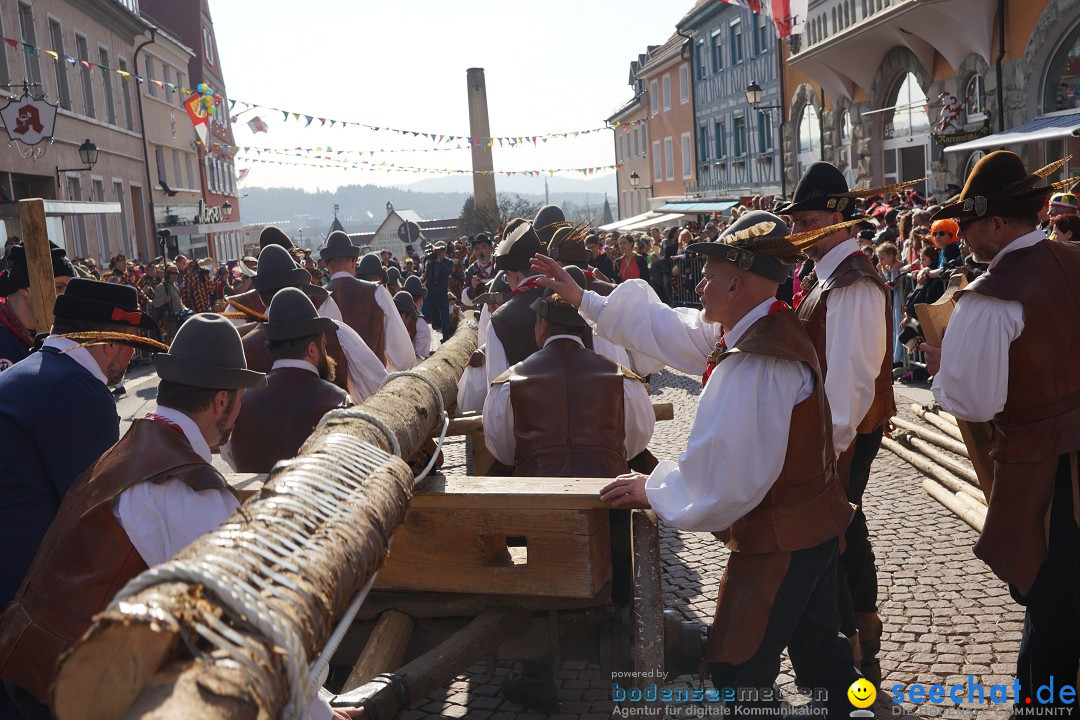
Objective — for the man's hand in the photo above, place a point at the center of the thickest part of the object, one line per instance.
(932, 355)
(348, 713)
(626, 491)
(557, 279)
(475, 281)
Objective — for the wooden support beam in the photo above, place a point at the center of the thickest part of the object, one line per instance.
(35, 240)
(385, 648)
(647, 613)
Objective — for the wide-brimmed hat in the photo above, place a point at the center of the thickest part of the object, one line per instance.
(271, 235)
(393, 276)
(567, 244)
(520, 242)
(1000, 185)
(277, 270)
(101, 302)
(414, 287)
(371, 264)
(207, 353)
(405, 303)
(554, 309)
(338, 245)
(760, 242)
(292, 315)
(548, 219)
(17, 275)
(823, 187)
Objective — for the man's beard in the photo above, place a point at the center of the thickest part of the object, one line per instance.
(223, 426)
(327, 368)
(114, 374)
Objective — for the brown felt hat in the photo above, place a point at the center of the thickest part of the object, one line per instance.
(292, 315)
(1000, 185)
(338, 245)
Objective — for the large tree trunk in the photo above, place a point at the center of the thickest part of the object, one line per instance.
(325, 517)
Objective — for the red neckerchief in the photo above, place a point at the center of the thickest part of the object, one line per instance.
(164, 421)
(10, 320)
(721, 347)
(529, 283)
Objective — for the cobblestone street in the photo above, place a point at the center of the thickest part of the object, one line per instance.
(946, 616)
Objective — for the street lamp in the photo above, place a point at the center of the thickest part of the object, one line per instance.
(635, 182)
(226, 210)
(88, 153)
(753, 97)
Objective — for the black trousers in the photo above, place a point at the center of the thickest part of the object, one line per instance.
(23, 704)
(1050, 643)
(857, 573)
(803, 620)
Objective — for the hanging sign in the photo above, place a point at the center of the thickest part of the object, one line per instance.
(28, 120)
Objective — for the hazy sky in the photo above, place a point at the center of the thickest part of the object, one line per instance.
(553, 66)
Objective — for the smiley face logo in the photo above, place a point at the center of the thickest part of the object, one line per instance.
(862, 693)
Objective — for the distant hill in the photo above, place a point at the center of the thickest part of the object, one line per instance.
(363, 207)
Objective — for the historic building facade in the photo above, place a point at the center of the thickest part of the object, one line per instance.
(632, 149)
(877, 84)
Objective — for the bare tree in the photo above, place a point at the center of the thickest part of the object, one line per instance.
(475, 220)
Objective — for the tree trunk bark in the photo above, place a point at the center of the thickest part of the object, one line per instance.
(314, 535)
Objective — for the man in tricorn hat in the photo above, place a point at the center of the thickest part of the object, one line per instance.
(779, 586)
(57, 415)
(17, 322)
(481, 270)
(510, 338)
(1009, 357)
(297, 387)
(847, 310)
(366, 307)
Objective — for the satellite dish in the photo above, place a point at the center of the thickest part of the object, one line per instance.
(408, 232)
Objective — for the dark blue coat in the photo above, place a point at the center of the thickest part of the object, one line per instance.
(12, 348)
(56, 420)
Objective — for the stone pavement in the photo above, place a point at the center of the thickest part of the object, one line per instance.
(946, 616)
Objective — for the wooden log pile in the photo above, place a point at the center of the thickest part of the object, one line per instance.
(176, 645)
(939, 452)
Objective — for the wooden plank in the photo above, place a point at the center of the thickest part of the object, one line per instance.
(469, 423)
(444, 605)
(35, 239)
(564, 554)
(933, 321)
(385, 649)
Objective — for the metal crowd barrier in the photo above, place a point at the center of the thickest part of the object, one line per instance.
(909, 359)
(686, 279)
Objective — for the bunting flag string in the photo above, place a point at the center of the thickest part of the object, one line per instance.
(299, 151)
(333, 163)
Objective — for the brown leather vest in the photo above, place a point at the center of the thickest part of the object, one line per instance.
(568, 413)
(514, 324)
(252, 300)
(86, 556)
(258, 357)
(1041, 418)
(360, 311)
(806, 505)
(276, 420)
(812, 311)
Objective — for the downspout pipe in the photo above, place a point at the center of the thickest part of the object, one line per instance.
(142, 133)
(997, 65)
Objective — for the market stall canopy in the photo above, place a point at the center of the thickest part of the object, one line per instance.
(626, 222)
(1047, 127)
(697, 207)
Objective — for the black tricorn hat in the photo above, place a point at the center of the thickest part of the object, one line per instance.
(17, 274)
(101, 302)
(292, 315)
(497, 291)
(207, 353)
(759, 242)
(520, 242)
(371, 264)
(999, 185)
(405, 303)
(278, 270)
(271, 235)
(338, 245)
(414, 287)
(567, 245)
(823, 187)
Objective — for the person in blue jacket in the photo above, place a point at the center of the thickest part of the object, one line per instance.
(57, 416)
(17, 323)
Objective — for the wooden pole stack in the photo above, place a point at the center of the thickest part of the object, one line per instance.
(951, 478)
(35, 240)
(149, 656)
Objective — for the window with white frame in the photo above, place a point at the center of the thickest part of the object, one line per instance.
(975, 99)
(26, 26)
(56, 36)
(687, 157)
(190, 175)
(637, 143)
(654, 97)
(720, 139)
(762, 30)
(151, 86)
(702, 58)
(159, 160)
(808, 142)
(107, 87)
(657, 162)
(125, 93)
(167, 79)
(208, 45)
(717, 52)
(83, 51)
(703, 144)
(669, 158)
(667, 91)
(765, 132)
(684, 84)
